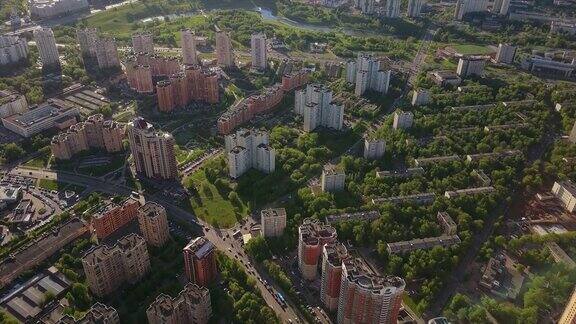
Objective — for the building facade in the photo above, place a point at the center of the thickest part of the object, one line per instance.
(87, 38)
(200, 261)
(189, 53)
(152, 151)
(403, 120)
(368, 73)
(333, 178)
(46, 44)
(192, 305)
(312, 236)
(107, 53)
(259, 51)
(12, 103)
(273, 222)
(414, 8)
(112, 216)
(374, 148)
(13, 50)
(107, 268)
(97, 313)
(392, 9)
(92, 133)
(142, 43)
(332, 257)
(224, 51)
(506, 53)
(468, 66)
(316, 105)
(566, 192)
(366, 297)
(569, 314)
(153, 223)
(54, 8)
(249, 149)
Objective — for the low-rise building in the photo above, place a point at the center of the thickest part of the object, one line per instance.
(435, 160)
(333, 178)
(419, 199)
(448, 225)
(420, 244)
(468, 192)
(562, 27)
(410, 172)
(52, 113)
(549, 67)
(9, 195)
(493, 155)
(357, 216)
(107, 268)
(42, 9)
(273, 221)
(566, 192)
(444, 78)
(192, 305)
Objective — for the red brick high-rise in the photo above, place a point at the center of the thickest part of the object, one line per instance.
(200, 261)
(113, 216)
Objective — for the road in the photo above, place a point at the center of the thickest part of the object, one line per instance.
(229, 246)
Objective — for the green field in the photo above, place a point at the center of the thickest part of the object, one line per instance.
(468, 49)
(38, 162)
(211, 203)
(96, 171)
(59, 186)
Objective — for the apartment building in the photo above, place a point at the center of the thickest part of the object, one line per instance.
(367, 7)
(316, 105)
(192, 306)
(549, 67)
(273, 222)
(92, 133)
(139, 77)
(13, 50)
(333, 254)
(247, 149)
(421, 97)
(464, 7)
(569, 314)
(152, 151)
(368, 73)
(224, 51)
(414, 8)
(200, 261)
(374, 148)
(392, 9)
(333, 178)
(97, 313)
(203, 84)
(448, 225)
(402, 119)
(12, 103)
(469, 192)
(312, 236)
(563, 27)
(422, 244)
(259, 51)
(112, 216)
(365, 295)
(566, 192)
(87, 38)
(407, 173)
(293, 80)
(107, 53)
(445, 78)
(46, 44)
(107, 268)
(366, 216)
(189, 52)
(142, 42)
(153, 223)
(419, 199)
(505, 53)
(470, 65)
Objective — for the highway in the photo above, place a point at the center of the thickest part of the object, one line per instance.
(220, 238)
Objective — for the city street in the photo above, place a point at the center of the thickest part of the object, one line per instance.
(228, 245)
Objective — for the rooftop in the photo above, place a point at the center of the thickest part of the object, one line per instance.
(200, 246)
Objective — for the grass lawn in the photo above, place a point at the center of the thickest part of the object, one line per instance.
(97, 171)
(468, 49)
(211, 204)
(59, 186)
(38, 162)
